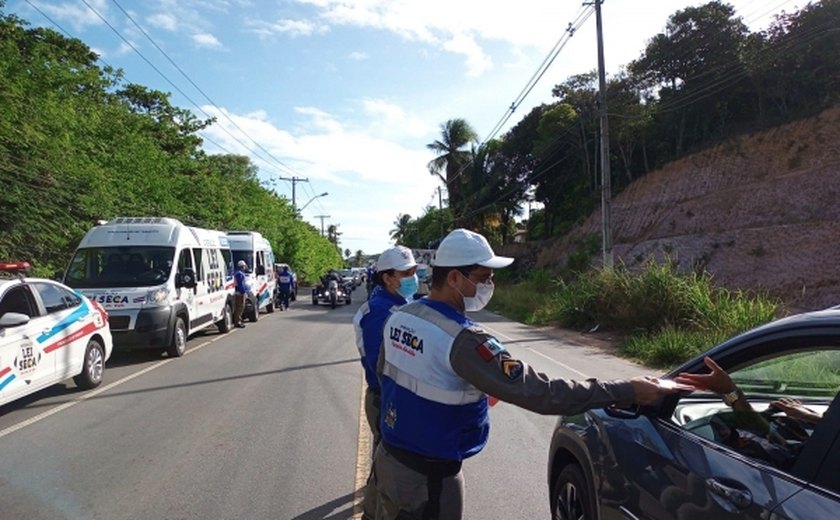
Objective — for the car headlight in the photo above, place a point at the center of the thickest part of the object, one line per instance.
(158, 295)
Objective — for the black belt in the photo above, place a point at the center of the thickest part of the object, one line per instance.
(428, 466)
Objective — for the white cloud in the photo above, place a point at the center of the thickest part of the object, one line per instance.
(477, 61)
(77, 14)
(287, 27)
(390, 121)
(206, 40)
(358, 56)
(163, 21)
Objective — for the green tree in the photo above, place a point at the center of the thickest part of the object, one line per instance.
(451, 157)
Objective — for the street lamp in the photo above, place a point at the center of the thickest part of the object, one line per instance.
(310, 201)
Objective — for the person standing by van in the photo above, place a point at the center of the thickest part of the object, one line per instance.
(240, 292)
(284, 287)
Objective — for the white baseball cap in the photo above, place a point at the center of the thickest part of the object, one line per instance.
(463, 247)
(241, 263)
(398, 258)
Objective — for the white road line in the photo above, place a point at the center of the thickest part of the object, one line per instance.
(363, 459)
(94, 393)
(567, 367)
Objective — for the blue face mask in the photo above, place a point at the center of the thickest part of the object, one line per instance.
(408, 286)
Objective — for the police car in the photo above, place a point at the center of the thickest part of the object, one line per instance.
(48, 333)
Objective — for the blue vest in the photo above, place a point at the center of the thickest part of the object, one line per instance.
(368, 323)
(426, 407)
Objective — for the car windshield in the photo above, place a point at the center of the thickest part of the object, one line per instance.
(346, 273)
(124, 266)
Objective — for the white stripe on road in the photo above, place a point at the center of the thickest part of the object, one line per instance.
(567, 367)
(94, 393)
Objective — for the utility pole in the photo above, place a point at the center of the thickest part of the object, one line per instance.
(322, 217)
(606, 225)
(440, 212)
(294, 180)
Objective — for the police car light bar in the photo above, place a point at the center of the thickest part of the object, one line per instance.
(14, 267)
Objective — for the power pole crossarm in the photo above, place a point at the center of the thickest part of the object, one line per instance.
(294, 181)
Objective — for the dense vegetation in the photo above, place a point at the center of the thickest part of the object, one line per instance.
(664, 317)
(78, 144)
(704, 79)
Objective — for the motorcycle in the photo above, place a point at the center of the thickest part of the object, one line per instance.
(332, 293)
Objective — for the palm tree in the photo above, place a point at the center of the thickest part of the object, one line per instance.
(451, 158)
(400, 232)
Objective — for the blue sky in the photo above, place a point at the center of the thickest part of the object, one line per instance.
(347, 93)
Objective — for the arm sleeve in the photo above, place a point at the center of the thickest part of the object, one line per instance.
(515, 382)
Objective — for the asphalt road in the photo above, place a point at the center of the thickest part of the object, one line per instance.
(261, 423)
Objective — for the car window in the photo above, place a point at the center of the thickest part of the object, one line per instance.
(18, 299)
(809, 379)
(56, 298)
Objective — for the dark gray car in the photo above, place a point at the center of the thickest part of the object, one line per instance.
(692, 456)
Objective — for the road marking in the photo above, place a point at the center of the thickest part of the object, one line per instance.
(363, 460)
(567, 367)
(94, 393)
(564, 365)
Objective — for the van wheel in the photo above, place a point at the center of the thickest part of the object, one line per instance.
(93, 366)
(254, 315)
(178, 345)
(226, 323)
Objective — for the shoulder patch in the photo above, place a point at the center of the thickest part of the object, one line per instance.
(512, 368)
(489, 349)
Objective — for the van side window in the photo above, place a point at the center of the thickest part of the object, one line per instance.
(199, 265)
(185, 260)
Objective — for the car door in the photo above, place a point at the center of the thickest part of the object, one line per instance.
(679, 465)
(24, 366)
(187, 295)
(67, 326)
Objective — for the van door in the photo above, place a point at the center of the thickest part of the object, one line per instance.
(187, 295)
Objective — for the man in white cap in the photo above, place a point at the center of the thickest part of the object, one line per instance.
(437, 368)
(394, 283)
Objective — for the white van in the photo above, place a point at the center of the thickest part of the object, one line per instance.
(256, 251)
(159, 280)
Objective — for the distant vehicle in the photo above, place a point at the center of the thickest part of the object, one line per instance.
(256, 251)
(692, 455)
(48, 333)
(349, 277)
(278, 267)
(332, 292)
(159, 280)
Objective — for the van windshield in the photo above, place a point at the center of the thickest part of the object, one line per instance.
(124, 266)
(245, 255)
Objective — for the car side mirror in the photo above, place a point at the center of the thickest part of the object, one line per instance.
(13, 319)
(188, 278)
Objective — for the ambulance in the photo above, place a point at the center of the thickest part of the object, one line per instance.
(159, 280)
(256, 252)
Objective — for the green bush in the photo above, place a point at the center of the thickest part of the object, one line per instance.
(665, 317)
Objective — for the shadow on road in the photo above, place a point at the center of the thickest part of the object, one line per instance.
(328, 511)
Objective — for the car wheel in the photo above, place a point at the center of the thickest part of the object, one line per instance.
(93, 366)
(178, 345)
(226, 323)
(270, 307)
(571, 495)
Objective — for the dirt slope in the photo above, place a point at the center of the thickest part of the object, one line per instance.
(758, 212)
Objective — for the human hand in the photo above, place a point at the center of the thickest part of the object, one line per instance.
(717, 381)
(794, 408)
(647, 390)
